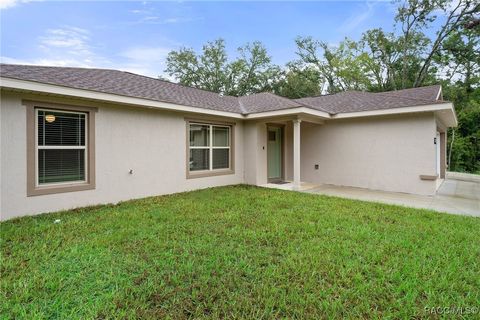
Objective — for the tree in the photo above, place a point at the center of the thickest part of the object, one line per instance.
(459, 58)
(251, 72)
(383, 49)
(344, 67)
(459, 64)
(415, 15)
(298, 83)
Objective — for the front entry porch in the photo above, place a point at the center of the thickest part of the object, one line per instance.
(279, 153)
(273, 154)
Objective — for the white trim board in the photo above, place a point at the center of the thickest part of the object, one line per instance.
(287, 112)
(107, 97)
(441, 107)
(43, 88)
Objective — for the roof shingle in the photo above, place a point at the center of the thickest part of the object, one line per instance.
(122, 83)
(356, 101)
(133, 85)
(266, 101)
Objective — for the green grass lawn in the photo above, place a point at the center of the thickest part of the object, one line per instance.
(239, 252)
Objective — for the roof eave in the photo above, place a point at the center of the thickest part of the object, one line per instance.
(449, 116)
(446, 109)
(288, 112)
(53, 89)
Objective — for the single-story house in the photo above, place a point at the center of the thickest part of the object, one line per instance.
(73, 137)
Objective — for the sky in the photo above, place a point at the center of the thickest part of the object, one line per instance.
(137, 36)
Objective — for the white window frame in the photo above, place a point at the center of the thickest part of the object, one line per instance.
(210, 147)
(37, 148)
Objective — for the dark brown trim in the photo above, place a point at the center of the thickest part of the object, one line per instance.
(216, 172)
(282, 127)
(58, 106)
(32, 189)
(207, 120)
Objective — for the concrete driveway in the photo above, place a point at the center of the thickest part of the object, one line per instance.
(458, 194)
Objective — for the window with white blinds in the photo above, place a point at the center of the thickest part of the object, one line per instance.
(209, 147)
(61, 146)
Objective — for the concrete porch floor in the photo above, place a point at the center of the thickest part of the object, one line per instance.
(458, 194)
(288, 185)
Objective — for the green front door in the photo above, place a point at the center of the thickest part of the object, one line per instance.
(274, 153)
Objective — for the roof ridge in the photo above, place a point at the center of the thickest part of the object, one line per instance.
(242, 107)
(64, 67)
(393, 93)
(413, 88)
(333, 94)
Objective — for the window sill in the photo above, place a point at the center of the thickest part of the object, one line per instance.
(204, 174)
(38, 191)
(428, 177)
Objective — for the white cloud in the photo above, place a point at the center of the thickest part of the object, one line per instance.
(148, 61)
(356, 20)
(70, 46)
(149, 15)
(66, 46)
(139, 11)
(5, 4)
(68, 38)
(47, 62)
(158, 20)
(154, 54)
(452, 5)
(4, 59)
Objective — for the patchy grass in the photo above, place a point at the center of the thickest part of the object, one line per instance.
(239, 252)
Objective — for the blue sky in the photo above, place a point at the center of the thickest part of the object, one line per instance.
(136, 36)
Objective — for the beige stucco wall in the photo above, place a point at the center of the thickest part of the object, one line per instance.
(380, 153)
(150, 142)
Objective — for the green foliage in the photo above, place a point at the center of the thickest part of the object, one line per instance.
(251, 72)
(340, 68)
(298, 83)
(465, 150)
(239, 253)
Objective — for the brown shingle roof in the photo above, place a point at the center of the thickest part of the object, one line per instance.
(266, 101)
(424, 93)
(122, 83)
(133, 85)
(355, 101)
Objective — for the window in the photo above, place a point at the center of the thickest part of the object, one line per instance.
(209, 149)
(60, 148)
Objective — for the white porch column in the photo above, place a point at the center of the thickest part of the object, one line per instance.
(296, 154)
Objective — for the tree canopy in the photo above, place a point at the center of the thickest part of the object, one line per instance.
(434, 41)
(252, 71)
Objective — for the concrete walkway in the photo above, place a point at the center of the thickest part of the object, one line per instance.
(458, 194)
